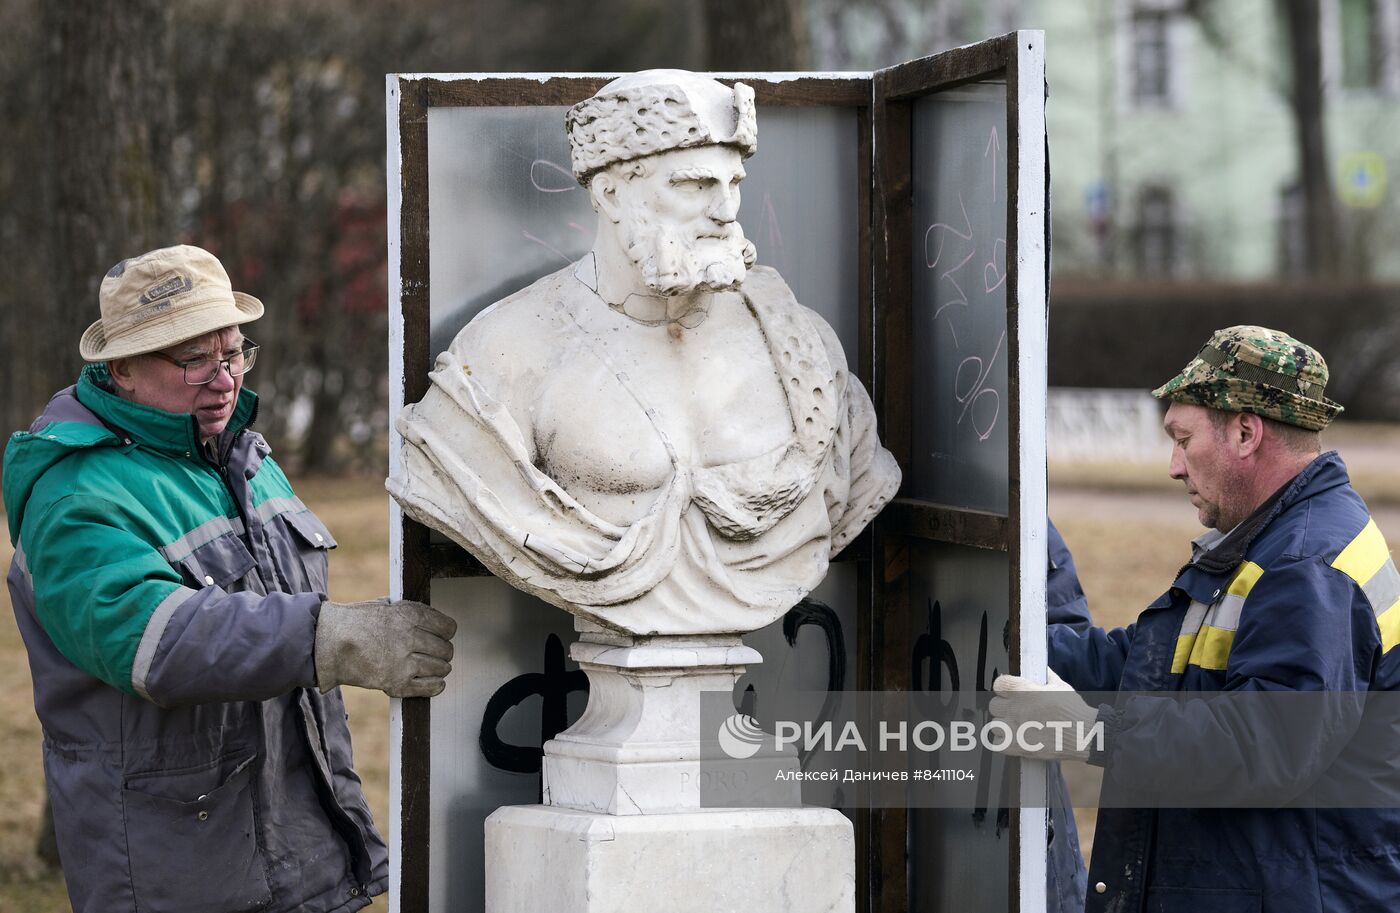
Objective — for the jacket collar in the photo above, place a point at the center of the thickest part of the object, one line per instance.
(1218, 554)
(171, 432)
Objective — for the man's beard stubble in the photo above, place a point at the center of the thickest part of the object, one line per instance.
(672, 264)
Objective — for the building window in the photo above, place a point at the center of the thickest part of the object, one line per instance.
(1360, 57)
(1150, 54)
(1157, 234)
(1365, 39)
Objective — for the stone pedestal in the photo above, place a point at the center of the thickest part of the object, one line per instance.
(629, 820)
(556, 860)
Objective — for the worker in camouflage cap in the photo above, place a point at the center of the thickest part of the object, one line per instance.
(1258, 370)
(1290, 593)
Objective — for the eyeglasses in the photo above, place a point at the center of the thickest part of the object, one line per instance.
(200, 371)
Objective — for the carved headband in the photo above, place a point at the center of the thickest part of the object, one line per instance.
(637, 121)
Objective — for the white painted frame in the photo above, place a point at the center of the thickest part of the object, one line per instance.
(1032, 328)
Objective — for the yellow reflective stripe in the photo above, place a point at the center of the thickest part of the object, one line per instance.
(1183, 653)
(1246, 576)
(1364, 555)
(1212, 648)
(1195, 614)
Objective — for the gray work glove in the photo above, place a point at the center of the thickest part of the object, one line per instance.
(401, 648)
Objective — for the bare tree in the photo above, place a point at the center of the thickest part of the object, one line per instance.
(755, 35)
(582, 35)
(1303, 25)
(110, 105)
(107, 93)
(282, 172)
(22, 218)
(1304, 91)
(85, 179)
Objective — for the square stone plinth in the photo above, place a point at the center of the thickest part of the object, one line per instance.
(544, 859)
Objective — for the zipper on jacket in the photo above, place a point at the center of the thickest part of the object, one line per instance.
(219, 463)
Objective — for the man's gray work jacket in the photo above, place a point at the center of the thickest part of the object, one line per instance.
(168, 601)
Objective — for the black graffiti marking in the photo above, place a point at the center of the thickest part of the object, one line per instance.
(984, 775)
(819, 614)
(553, 686)
(825, 619)
(933, 649)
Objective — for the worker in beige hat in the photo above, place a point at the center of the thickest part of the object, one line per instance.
(172, 306)
(171, 590)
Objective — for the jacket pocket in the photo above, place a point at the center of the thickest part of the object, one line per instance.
(312, 541)
(218, 562)
(192, 838)
(1202, 900)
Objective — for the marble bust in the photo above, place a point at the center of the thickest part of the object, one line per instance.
(657, 438)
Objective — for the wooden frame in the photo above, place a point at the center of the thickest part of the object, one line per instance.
(883, 105)
(1018, 58)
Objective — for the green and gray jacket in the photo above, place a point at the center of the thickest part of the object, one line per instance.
(168, 601)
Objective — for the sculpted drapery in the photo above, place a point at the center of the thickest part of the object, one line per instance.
(719, 548)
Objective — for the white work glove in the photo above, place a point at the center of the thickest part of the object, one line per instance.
(401, 648)
(1050, 716)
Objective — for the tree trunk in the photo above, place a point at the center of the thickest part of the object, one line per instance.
(1303, 26)
(755, 35)
(110, 100)
(22, 112)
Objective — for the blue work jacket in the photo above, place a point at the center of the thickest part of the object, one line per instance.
(1302, 596)
(1065, 604)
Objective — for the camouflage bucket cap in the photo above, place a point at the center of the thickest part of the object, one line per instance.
(1258, 370)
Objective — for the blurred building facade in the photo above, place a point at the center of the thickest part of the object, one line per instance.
(1173, 144)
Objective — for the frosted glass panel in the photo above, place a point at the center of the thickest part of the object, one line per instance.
(504, 209)
(960, 857)
(508, 647)
(960, 342)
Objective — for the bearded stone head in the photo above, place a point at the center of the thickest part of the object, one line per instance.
(661, 153)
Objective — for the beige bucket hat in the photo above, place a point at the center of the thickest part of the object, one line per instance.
(161, 299)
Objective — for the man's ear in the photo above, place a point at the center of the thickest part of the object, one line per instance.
(120, 369)
(603, 192)
(1248, 433)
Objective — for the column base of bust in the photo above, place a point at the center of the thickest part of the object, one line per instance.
(644, 745)
(783, 860)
